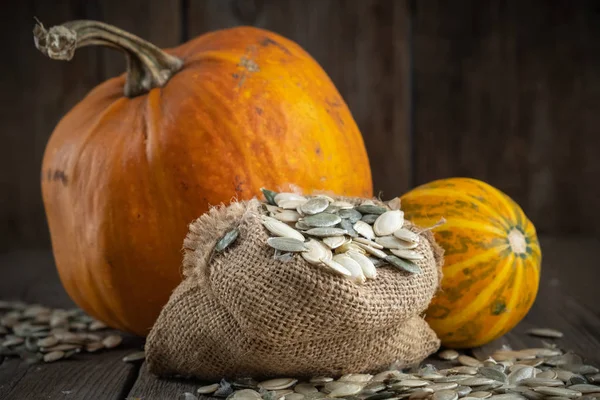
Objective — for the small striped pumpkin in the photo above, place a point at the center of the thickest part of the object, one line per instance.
(492, 259)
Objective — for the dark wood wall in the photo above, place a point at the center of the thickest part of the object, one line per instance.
(504, 91)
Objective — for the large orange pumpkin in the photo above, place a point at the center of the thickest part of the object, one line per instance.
(492, 259)
(144, 154)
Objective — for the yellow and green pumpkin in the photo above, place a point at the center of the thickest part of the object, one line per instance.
(492, 259)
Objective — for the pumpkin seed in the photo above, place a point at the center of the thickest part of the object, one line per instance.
(407, 235)
(436, 387)
(548, 374)
(138, 356)
(53, 356)
(371, 250)
(335, 267)
(545, 332)
(245, 394)
(556, 391)
(388, 222)
(208, 389)
(112, 341)
(370, 209)
(305, 388)
(421, 393)
(227, 240)
(350, 214)
(333, 242)
(349, 246)
(352, 266)
(392, 242)
(463, 390)
(366, 265)
(287, 244)
(386, 375)
(477, 381)
(413, 383)
(404, 265)
(280, 229)
(60, 347)
(301, 225)
(342, 204)
(93, 347)
(448, 354)
(316, 252)
(315, 205)
(364, 229)
(287, 216)
(294, 396)
(356, 378)
(445, 395)
(493, 373)
(581, 369)
(349, 228)
(465, 370)
(480, 394)
(321, 380)
(322, 220)
(12, 342)
(508, 396)
(369, 218)
(368, 242)
(288, 197)
(534, 382)
(469, 361)
(520, 374)
(585, 388)
(347, 389)
(407, 254)
(325, 232)
(278, 384)
(97, 326)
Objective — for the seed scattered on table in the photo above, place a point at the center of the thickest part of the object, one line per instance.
(137, 356)
(545, 333)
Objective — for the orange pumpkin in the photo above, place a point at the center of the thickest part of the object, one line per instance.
(144, 154)
(492, 259)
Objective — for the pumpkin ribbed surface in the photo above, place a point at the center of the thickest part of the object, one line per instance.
(492, 259)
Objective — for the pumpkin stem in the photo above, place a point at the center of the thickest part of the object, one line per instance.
(148, 66)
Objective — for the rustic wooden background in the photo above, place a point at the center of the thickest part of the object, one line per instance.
(507, 91)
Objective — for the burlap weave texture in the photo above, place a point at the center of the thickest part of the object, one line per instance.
(245, 313)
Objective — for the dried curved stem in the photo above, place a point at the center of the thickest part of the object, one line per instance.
(148, 66)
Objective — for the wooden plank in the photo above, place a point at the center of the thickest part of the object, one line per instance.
(38, 92)
(148, 386)
(362, 45)
(41, 91)
(31, 277)
(508, 92)
(157, 21)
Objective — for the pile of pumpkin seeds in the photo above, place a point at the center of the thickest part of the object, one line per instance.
(345, 239)
(539, 373)
(37, 333)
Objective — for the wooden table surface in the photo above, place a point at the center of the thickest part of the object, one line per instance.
(568, 300)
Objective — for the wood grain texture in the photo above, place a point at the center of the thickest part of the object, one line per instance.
(363, 47)
(157, 21)
(32, 278)
(37, 92)
(508, 92)
(149, 387)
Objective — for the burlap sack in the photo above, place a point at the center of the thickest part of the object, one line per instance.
(245, 313)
